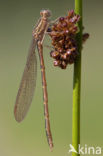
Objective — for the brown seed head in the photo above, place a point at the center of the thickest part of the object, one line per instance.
(63, 35)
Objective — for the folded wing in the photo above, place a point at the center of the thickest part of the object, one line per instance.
(27, 85)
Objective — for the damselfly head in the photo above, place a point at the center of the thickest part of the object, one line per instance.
(45, 13)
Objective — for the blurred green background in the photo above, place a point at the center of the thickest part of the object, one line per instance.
(17, 19)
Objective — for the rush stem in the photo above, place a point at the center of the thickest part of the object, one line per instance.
(77, 84)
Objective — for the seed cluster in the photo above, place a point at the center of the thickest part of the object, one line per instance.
(63, 34)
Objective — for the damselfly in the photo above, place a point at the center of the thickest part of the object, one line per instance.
(28, 82)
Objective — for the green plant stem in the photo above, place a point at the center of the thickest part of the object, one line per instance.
(77, 84)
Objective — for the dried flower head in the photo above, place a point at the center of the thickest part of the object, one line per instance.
(63, 35)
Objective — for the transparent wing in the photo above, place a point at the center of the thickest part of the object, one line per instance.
(27, 85)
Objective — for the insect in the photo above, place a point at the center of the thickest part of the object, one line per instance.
(28, 82)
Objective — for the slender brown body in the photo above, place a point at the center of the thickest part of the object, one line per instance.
(39, 35)
(27, 85)
(45, 95)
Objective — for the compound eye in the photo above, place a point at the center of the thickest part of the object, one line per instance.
(41, 13)
(48, 13)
